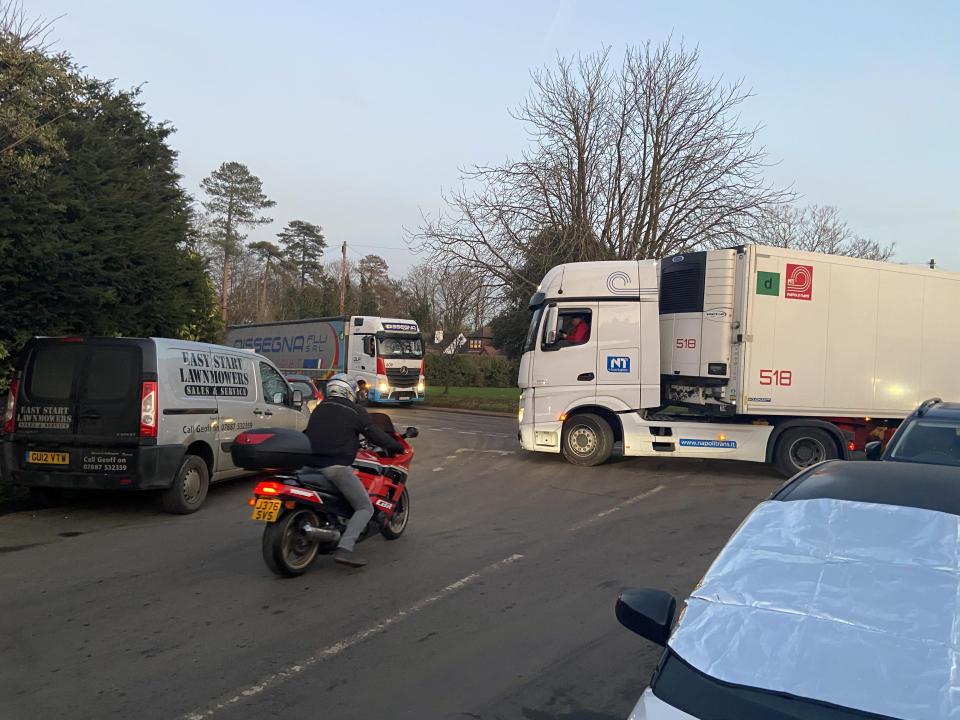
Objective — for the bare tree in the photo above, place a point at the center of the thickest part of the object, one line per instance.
(460, 292)
(23, 32)
(264, 252)
(816, 228)
(636, 162)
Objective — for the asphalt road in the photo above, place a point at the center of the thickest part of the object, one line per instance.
(496, 603)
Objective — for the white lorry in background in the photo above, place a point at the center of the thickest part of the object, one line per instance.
(752, 353)
(385, 355)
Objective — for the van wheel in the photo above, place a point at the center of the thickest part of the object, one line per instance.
(586, 439)
(800, 448)
(189, 488)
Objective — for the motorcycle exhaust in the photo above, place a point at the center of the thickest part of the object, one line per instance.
(321, 535)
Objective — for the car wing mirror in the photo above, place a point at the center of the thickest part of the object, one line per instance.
(411, 432)
(874, 450)
(298, 399)
(648, 612)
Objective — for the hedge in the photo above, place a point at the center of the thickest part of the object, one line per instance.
(471, 371)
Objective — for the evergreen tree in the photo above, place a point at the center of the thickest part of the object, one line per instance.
(235, 199)
(303, 244)
(93, 222)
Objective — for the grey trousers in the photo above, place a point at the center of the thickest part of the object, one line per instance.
(356, 494)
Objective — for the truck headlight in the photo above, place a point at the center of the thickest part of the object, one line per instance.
(420, 387)
(384, 387)
(520, 416)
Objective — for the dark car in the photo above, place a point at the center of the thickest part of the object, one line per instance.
(836, 598)
(930, 435)
(311, 395)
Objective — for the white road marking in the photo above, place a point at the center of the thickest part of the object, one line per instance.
(475, 450)
(274, 679)
(626, 503)
(467, 432)
(438, 469)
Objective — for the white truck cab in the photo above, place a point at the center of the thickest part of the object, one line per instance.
(386, 358)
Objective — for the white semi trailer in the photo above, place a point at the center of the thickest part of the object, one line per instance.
(751, 353)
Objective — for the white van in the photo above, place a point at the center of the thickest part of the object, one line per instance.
(138, 413)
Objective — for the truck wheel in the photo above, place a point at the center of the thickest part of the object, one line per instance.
(189, 488)
(799, 448)
(586, 439)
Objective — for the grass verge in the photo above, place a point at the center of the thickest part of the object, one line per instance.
(504, 400)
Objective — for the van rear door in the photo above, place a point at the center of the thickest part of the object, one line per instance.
(77, 396)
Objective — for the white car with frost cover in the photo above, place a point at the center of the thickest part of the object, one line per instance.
(837, 598)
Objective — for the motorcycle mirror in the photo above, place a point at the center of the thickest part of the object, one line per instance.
(411, 432)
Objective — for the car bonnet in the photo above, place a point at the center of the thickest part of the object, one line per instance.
(849, 603)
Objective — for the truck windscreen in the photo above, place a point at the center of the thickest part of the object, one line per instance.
(531, 342)
(410, 348)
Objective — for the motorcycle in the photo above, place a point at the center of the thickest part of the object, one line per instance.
(305, 514)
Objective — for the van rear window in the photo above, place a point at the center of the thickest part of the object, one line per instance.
(52, 370)
(112, 373)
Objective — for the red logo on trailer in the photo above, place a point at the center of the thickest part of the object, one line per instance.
(799, 282)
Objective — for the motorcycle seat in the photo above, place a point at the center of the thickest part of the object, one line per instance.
(314, 479)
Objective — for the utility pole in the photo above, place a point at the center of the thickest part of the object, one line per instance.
(343, 277)
(933, 264)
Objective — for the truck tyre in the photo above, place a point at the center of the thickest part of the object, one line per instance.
(189, 488)
(586, 439)
(799, 448)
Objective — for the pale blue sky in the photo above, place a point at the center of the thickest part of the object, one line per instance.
(356, 115)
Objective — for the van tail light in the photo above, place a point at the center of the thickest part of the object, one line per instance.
(148, 410)
(381, 367)
(10, 414)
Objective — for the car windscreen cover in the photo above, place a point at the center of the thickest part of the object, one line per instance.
(849, 603)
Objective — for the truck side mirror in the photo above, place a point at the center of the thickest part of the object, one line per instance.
(298, 399)
(550, 325)
(368, 346)
(874, 450)
(648, 612)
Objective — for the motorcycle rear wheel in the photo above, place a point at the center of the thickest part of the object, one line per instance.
(397, 523)
(286, 550)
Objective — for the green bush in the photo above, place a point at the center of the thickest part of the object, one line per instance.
(471, 371)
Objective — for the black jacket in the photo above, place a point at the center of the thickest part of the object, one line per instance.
(334, 429)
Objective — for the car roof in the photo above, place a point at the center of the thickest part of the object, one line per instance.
(918, 485)
(946, 410)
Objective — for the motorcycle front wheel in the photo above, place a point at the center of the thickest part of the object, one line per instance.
(286, 548)
(397, 523)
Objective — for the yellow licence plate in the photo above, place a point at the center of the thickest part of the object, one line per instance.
(48, 458)
(266, 509)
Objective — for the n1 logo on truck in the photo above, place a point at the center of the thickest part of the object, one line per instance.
(618, 363)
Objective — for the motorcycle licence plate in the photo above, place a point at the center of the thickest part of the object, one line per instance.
(266, 509)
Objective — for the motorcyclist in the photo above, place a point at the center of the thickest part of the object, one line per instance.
(334, 429)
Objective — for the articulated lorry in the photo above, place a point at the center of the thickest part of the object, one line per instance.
(385, 355)
(750, 353)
